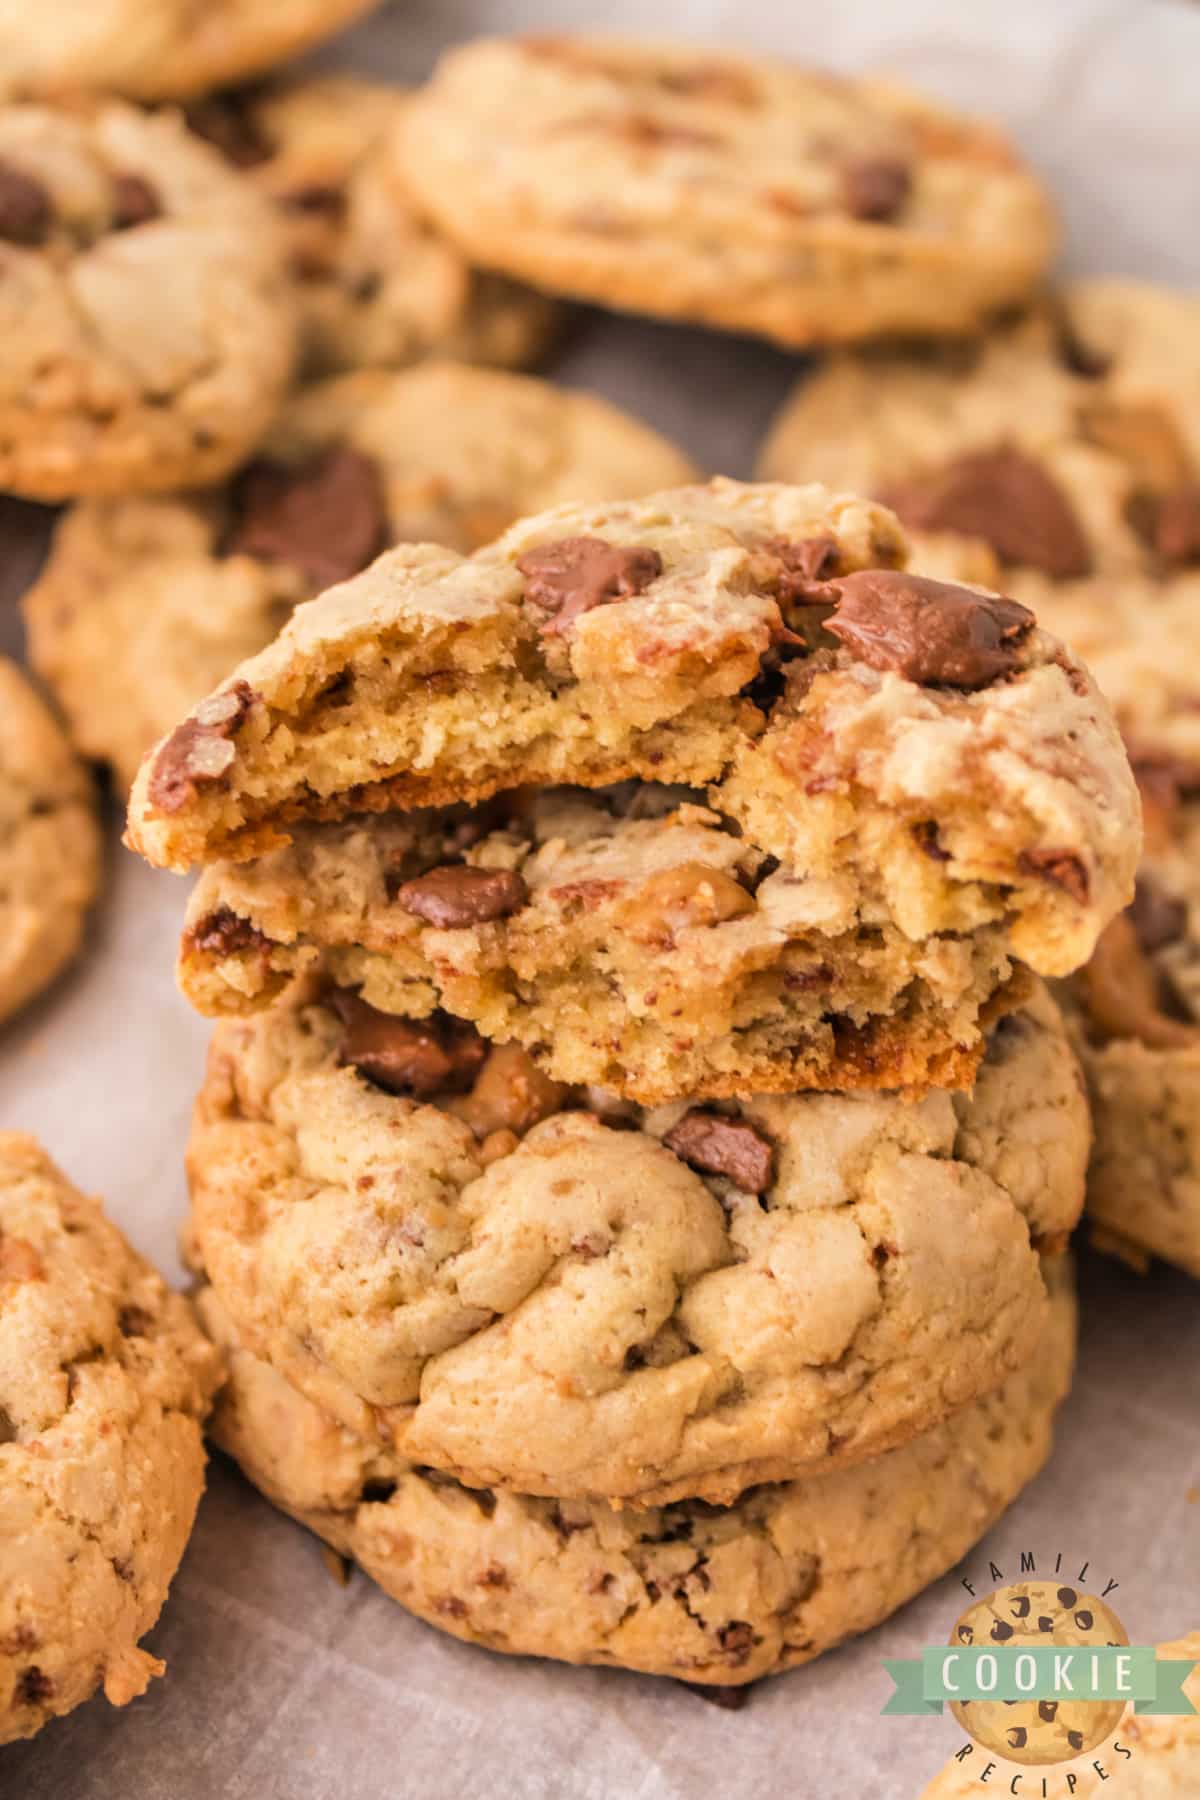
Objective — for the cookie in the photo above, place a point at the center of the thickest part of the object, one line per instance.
(743, 193)
(1068, 441)
(1038, 1612)
(148, 328)
(144, 605)
(1149, 1758)
(567, 1295)
(50, 845)
(375, 284)
(156, 49)
(688, 1590)
(625, 938)
(105, 1379)
(914, 751)
(1136, 1008)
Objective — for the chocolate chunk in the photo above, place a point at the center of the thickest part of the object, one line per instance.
(134, 202)
(1062, 868)
(1067, 1596)
(930, 632)
(926, 834)
(406, 1056)
(875, 188)
(228, 122)
(805, 568)
(730, 1699)
(461, 895)
(736, 1639)
(1085, 1620)
(1047, 1710)
(1169, 523)
(34, 1687)
(326, 517)
(1044, 1623)
(1075, 1739)
(1004, 497)
(1016, 1736)
(199, 751)
(1021, 1606)
(966, 1634)
(1158, 917)
(710, 1142)
(225, 933)
(134, 1321)
(26, 210)
(572, 575)
(1001, 1632)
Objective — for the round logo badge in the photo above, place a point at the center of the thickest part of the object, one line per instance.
(1038, 1731)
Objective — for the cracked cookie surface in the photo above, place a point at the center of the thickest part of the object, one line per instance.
(564, 1294)
(744, 193)
(144, 307)
(145, 604)
(50, 844)
(105, 1379)
(375, 284)
(157, 49)
(720, 1595)
(922, 744)
(625, 938)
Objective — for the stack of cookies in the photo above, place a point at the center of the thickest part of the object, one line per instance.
(637, 1152)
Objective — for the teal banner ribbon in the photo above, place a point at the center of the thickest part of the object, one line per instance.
(1039, 1672)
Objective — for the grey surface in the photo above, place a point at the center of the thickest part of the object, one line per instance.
(283, 1686)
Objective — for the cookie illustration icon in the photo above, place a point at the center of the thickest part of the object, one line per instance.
(1039, 1731)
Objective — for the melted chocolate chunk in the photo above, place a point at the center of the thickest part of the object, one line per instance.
(1004, 497)
(199, 752)
(406, 1056)
(715, 1145)
(572, 575)
(931, 632)
(226, 933)
(26, 209)
(806, 566)
(1158, 917)
(135, 201)
(1168, 523)
(326, 517)
(461, 895)
(1062, 868)
(228, 122)
(875, 188)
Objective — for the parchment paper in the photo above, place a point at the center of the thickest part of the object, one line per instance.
(283, 1686)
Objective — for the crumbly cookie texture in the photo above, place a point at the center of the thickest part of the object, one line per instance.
(157, 49)
(722, 1596)
(625, 938)
(1147, 1759)
(745, 193)
(1135, 1010)
(50, 844)
(923, 748)
(376, 284)
(145, 604)
(1068, 441)
(148, 328)
(105, 1379)
(457, 1258)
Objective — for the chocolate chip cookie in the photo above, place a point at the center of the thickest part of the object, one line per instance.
(156, 49)
(105, 1379)
(145, 604)
(375, 284)
(743, 193)
(1149, 1759)
(1136, 1008)
(49, 844)
(144, 307)
(914, 751)
(565, 1294)
(683, 1589)
(626, 938)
